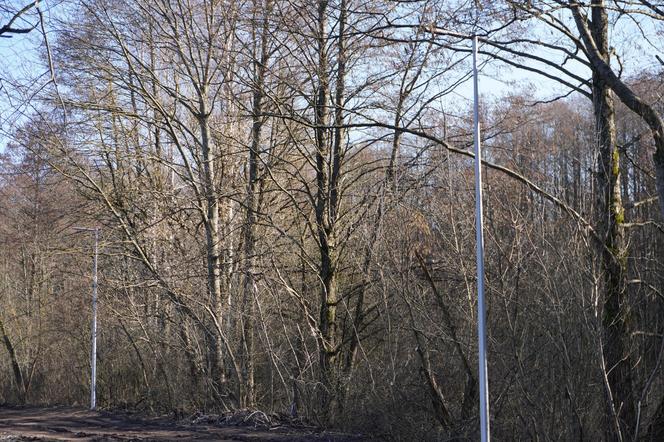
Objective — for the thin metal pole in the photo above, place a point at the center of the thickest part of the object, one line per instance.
(93, 356)
(485, 435)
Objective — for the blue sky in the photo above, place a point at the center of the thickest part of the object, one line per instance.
(636, 44)
(19, 64)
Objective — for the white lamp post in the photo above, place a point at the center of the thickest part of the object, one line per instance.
(485, 434)
(93, 352)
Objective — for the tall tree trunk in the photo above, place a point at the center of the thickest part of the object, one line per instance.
(213, 246)
(328, 171)
(601, 68)
(253, 188)
(613, 255)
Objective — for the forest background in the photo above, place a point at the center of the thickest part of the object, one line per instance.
(285, 195)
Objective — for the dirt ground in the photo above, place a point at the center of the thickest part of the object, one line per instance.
(78, 424)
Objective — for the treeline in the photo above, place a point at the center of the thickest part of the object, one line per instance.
(285, 196)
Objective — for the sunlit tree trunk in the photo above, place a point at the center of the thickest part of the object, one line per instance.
(613, 256)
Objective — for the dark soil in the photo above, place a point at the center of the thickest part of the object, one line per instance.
(78, 424)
